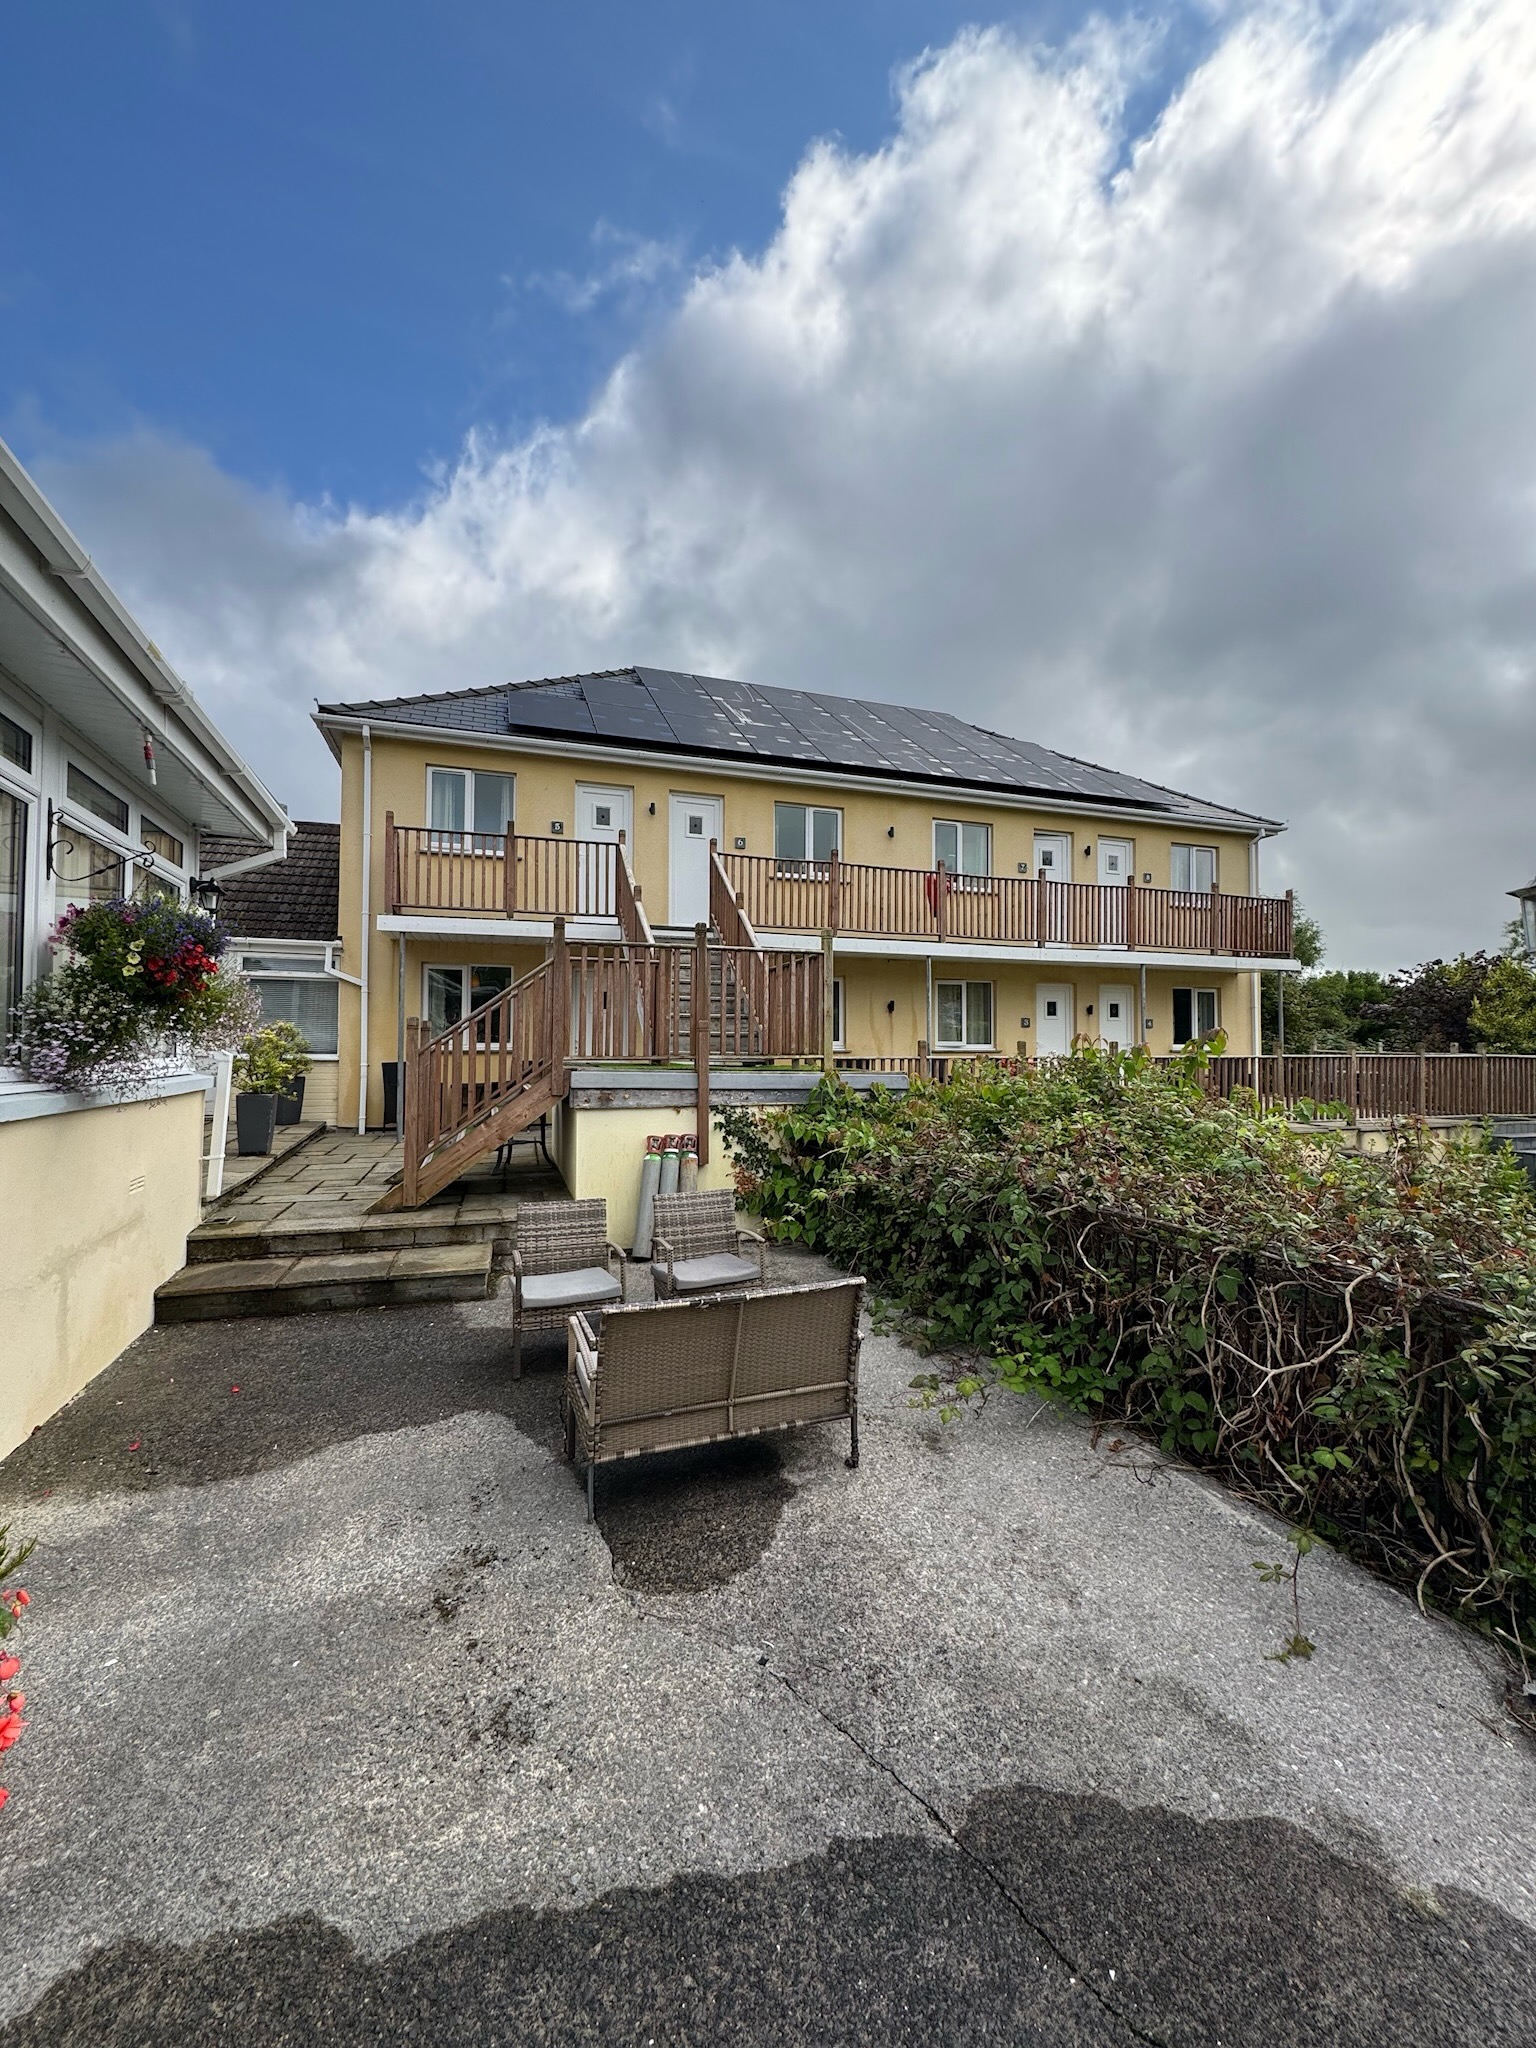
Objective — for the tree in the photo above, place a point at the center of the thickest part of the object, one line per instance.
(1323, 1012)
(1428, 1008)
(1503, 1016)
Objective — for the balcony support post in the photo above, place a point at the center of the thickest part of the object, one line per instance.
(509, 878)
(828, 1034)
(700, 1022)
(391, 865)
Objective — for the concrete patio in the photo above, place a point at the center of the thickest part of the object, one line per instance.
(346, 1727)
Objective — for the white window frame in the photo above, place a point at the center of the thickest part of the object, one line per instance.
(810, 862)
(1187, 856)
(964, 877)
(465, 838)
(1195, 995)
(290, 960)
(464, 972)
(839, 1014)
(965, 1043)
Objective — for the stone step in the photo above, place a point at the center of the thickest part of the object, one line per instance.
(241, 1236)
(207, 1289)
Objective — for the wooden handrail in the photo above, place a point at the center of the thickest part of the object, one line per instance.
(932, 903)
(502, 874)
(633, 922)
(726, 913)
(1387, 1084)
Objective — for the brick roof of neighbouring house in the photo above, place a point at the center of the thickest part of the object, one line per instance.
(660, 710)
(296, 898)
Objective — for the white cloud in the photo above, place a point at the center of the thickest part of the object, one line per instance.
(1215, 460)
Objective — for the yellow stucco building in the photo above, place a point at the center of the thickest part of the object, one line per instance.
(973, 893)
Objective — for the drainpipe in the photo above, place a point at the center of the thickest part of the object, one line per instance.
(362, 1028)
(928, 1002)
(400, 1037)
(1255, 980)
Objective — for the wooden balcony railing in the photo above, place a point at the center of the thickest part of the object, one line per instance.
(1387, 1084)
(499, 874)
(923, 903)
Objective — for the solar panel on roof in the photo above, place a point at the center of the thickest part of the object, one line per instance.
(622, 708)
(715, 715)
(548, 711)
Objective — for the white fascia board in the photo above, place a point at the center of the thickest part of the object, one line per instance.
(581, 930)
(959, 950)
(67, 595)
(773, 771)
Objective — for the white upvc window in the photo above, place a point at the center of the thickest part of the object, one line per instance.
(838, 1013)
(1196, 1011)
(293, 987)
(962, 848)
(450, 993)
(470, 800)
(1192, 869)
(963, 1015)
(806, 832)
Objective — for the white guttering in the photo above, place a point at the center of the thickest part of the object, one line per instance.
(362, 1007)
(811, 778)
(65, 559)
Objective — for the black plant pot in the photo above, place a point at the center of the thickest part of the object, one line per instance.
(255, 1122)
(290, 1103)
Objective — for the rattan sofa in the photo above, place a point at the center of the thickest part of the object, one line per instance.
(562, 1261)
(697, 1246)
(695, 1371)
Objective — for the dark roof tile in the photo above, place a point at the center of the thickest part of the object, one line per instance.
(666, 709)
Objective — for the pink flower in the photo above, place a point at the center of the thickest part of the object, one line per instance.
(9, 1666)
(10, 1730)
(4, 1795)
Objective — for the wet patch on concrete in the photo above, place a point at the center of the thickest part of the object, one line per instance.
(692, 1519)
(199, 1402)
(1056, 1920)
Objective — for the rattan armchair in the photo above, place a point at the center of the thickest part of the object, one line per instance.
(663, 1375)
(562, 1261)
(697, 1246)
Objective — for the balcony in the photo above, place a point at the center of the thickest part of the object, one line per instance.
(512, 875)
(509, 875)
(927, 904)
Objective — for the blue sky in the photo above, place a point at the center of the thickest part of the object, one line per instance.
(1152, 385)
(323, 241)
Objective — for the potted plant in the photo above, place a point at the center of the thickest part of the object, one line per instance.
(295, 1046)
(267, 1062)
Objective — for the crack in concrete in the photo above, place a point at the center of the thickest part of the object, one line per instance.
(1077, 1972)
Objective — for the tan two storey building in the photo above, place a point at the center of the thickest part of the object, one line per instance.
(972, 893)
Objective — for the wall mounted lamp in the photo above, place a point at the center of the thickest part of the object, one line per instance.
(890, 831)
(890, 1008)
(652, 809)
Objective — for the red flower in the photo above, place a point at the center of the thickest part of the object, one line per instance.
(10, 1730)
(22, 1597)
(4, 1795)
(9, 1666)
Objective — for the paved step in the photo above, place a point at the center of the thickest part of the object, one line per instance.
(209, 1289)
(240, 1235)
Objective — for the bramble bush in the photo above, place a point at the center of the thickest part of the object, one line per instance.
(1351, 1340)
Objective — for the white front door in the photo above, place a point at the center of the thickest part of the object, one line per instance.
(1115, 858)
(1117, 1018)
(1053, 863)
(694, 821)
(1053, 1019)
(601, 815)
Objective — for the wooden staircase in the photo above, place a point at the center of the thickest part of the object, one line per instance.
(472, 1087)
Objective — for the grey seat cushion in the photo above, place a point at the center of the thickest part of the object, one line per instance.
(569, 1290)
(697, 1276)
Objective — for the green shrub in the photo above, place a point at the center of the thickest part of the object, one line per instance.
(1351, 1340)
(270, 1058)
